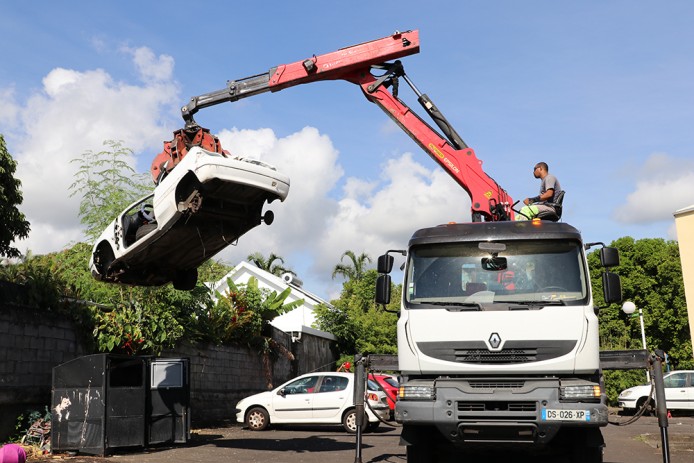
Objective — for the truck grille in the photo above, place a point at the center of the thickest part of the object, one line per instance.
(495, 406)
(495, 384)
(503, 356)
(496, 411)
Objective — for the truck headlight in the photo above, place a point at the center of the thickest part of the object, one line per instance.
(416, 392)
(580, 392)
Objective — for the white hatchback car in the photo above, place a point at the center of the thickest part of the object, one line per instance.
(679, 393)
(314, 398)
(205, 204)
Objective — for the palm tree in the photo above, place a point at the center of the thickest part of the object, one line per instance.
(269, 264)
(356, 270)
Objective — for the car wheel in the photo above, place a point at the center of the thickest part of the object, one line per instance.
(103, 258)
(257, 419)
(650, 410)
(185, 280)
(349, 421)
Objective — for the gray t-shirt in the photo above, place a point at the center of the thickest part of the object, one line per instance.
(550, 182)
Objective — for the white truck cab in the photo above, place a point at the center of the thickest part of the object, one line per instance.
(498, 339)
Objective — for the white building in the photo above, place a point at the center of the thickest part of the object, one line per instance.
(295, 322)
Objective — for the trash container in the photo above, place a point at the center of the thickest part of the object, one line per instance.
(106, 401)
(168, 401)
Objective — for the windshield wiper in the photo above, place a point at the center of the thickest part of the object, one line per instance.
(525, 305)
(457, 306)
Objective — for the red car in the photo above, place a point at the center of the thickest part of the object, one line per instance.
(389, 384)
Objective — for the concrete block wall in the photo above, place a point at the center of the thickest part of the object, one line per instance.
(33, 341)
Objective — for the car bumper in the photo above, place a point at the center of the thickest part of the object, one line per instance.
(380, 413)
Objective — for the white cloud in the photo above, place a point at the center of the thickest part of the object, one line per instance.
(369, 217)
(74, 112)
(8, 109)
(663, 185)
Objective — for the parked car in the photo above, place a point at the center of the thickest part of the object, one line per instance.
(314, 398)
(203, 205)
(389, 384)
(679, 393)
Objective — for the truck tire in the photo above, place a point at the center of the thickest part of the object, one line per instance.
(585, 454)
(420, 453)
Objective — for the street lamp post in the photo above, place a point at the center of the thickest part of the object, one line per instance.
(629, 308)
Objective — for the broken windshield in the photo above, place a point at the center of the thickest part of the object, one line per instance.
(528, 274)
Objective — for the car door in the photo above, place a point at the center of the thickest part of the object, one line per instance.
(333, 393)
(294, 402)
(676, 394)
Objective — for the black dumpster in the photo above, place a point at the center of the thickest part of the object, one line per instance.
(105, 401)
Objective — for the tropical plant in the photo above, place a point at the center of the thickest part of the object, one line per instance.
(243, 315)
(14, 224)
(355, 270)
(268, 264)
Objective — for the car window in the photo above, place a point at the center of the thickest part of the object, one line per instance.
(372, 385)
(333, 383)
(676, 380)
(302, 386)
(392, 381)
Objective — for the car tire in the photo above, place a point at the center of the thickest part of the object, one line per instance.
(651, 410)
(257, 419)
(349, 421)
(103, 258)
(185, 280)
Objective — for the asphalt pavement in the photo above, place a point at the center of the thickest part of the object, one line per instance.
(636, 443)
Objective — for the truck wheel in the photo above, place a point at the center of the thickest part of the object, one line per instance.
(585, 454)
(421, 453)
(257, 419)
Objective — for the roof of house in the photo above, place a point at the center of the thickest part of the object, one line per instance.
(298, 320)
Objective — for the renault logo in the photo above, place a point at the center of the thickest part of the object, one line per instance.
(495, 340)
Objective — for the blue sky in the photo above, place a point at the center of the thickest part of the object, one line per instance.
(603, 91)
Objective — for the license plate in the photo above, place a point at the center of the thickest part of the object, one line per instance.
(565, 415)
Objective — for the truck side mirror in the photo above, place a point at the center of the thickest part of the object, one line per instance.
(609, 257)
(383, 288)
(611, 287)
(385, 263)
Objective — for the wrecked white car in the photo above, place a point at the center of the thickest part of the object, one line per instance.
(205, 204)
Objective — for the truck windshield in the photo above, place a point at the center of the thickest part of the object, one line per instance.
(513, 275)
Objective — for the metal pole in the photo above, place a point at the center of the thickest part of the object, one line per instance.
(643, 340)
(661, 405)
(359, 391)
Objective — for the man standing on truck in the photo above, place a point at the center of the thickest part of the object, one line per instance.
(549, 187)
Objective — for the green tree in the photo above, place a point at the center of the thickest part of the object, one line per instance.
(14, 224)
(651, 275)
(107, 184)
(358, 323)
(269, 264)
(355, 270)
